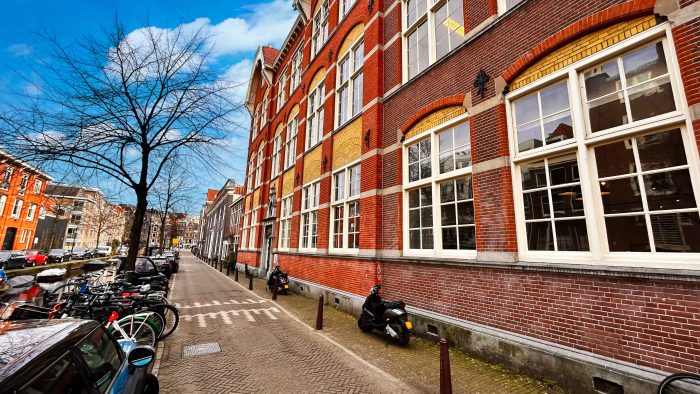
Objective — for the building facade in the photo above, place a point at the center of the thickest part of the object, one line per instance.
(217, 229)
(524, 174)
(22, 190)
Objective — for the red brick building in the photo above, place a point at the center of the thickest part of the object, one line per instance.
(22, 198)
(524, 174)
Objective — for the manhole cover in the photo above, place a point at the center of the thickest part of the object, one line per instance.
(200, 349)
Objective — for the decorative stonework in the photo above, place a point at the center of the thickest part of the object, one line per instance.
(312, 165)
(347, 144)
(318, 78)
(354, 34)
(582, 48)
(435, 119)
(288, 183)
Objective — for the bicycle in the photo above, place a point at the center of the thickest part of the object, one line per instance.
(680, 383)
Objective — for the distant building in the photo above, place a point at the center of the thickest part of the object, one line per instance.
(217, 235)
(21, 197)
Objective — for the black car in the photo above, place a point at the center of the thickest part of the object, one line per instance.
(12, 259)
(58, 256)
(163, 265)
(71, 356)
(81, 253)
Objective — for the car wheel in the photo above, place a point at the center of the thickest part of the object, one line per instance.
(151, 385)
(34, 264)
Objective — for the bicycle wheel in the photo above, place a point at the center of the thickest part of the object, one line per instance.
(681, 383)
(63, 292)
(170, 315)
(135, 329)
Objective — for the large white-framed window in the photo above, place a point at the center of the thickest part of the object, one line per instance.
(24, 236)
(31, 211)
(3, 201)
(245, 231)
(345, 7)
(295, 79)
(314, 122)
(6, 177)
(17, 208)
(236, 217)
(263, 110)
(276, 152)
(286, 222)
(282, 90)
(251, 168)
(438, 194)
(431, 29)
(256, 119)
(345, 209)
(38, 183)
(258, 168)
(605, 167)
(350, 81)
(253, 228)
(290, 145)
(23, 184)
(319, 33)
(308, 234)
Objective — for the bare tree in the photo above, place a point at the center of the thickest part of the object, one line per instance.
(123, 105)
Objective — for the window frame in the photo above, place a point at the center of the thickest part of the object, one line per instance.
(38, 184)
(349, 83)
(434, 181)
(296, 68)
(290, 143)
(583, 145)
(23, 184)
(344, 8)
(258, 168)
(312, 209)
(17, 215)
(315, 113)
(7, 178)
(282, 89)
(344, 202)
(502, 6)
(276, 153)
(285, 222)
(31, 211)
(324, 21)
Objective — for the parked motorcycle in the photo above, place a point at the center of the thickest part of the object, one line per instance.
(281, 278)
(389, 317)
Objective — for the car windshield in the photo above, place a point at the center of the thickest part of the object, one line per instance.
(56, 251)
(79, 250)
(4, 255)
(143, 266)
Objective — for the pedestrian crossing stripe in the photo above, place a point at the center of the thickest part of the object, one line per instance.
(225, 316)
(247, 301)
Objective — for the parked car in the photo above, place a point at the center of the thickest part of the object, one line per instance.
(58, 255)
(81, 253)
(104, 251)
(174, 263)
(36, 257)
(72, 356)
(10, 259)
(163, 265)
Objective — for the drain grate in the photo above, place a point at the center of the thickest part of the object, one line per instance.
(200, 349)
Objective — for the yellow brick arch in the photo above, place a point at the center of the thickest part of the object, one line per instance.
(318, 78)
(279, 129)
(435, 119)
(293, 112)
(350, 39)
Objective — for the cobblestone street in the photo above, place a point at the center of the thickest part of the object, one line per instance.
(264, 349)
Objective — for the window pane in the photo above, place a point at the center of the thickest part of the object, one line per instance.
(445, 142)
(414, 218)
(102, 358)
(539, 236)
(563, 169)
(357, 94)
(447, 192)
(426, 197)
(446, 162)
(607, 112)
(627, 234)
(465, 212)
(449, 238)
(413, 153)
(571, 235)
(425, 149)
(448, 216)
(461, 132)
(463, 157)
(651, 99)
(661, 150)
(442, 38)
(621, 195)
(602, 79)
(644, 64)
(526, 109)
(425, 169)
(554, 98)
(427, 238)
(414, 239)
(567, 201)
(558, 128)
(413, 200)
(426, 217)
(464, 188)
(413, 172)
(676, 232)
(615, 159)
(536, 205)
(467, 237)
(529, 136)
(669, 190)
(359, 56)
(339, 186)
(533, 175)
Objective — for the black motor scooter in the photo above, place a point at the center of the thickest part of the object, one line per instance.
(281, 279)
(389, 317)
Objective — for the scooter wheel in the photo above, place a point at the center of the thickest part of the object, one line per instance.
(403, 334)
(363, 324)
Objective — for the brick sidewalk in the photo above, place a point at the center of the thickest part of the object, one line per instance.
(262, 349)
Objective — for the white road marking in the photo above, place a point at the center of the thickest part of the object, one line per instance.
(226, 315)
(219, 303)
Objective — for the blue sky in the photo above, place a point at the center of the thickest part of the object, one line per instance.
(238, 28)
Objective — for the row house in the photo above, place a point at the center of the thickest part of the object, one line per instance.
(217, 219)
(523, 173)
(22, 190)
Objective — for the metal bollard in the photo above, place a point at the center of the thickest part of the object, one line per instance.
(235, 269)
(246, 270)
(274, 290)
(445, 375)
(319, 314)
(250, 282)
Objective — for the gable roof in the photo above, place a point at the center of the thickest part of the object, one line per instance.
(269, 55)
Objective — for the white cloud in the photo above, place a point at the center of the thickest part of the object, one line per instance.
(20, 50)
(31, 89)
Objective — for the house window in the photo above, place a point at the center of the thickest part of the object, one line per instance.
(23, 237)
(345, 229)
(350, 79)
(256, 119)
(17, 208)
(31, 211)
(290, 146)
(258, 168)
(314, 125)
(3, 200)
(638, 194)
(431, 32)
(439, 204)
(309, 216)
(251, 167)
(37, 185)
(282, 90)
(23, 184)
(6, 177)
(345, 6)
(319, 34)
(505, 5)
(276, 151)
(295, 79)
(263, 110)
(253, 228)
(286, 222)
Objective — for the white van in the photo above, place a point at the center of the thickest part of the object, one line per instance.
(104, 251)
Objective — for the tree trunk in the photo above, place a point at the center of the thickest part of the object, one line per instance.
(136, 225)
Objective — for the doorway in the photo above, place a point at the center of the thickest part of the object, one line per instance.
(9, 239)
(267, 249)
